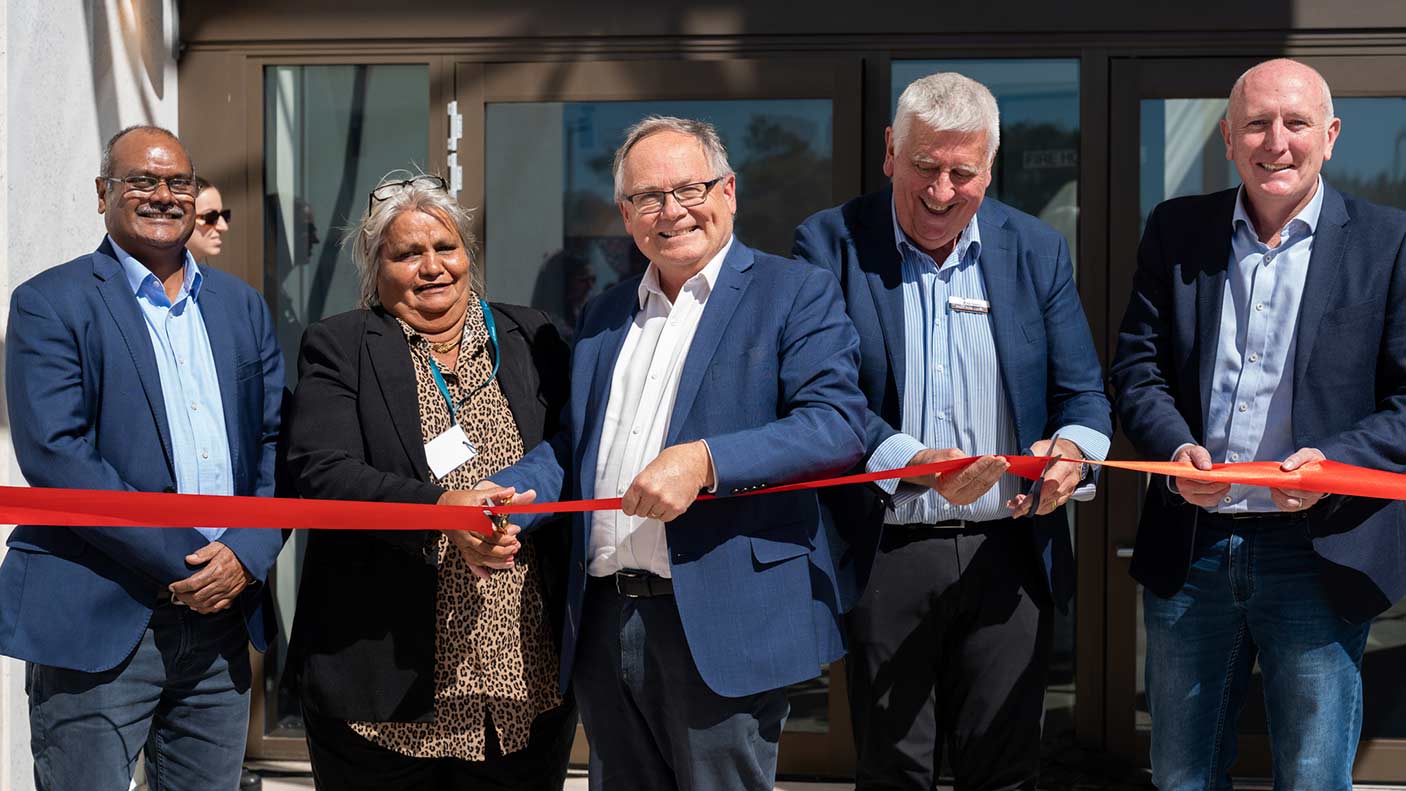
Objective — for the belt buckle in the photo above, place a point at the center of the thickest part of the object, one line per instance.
(627, 575)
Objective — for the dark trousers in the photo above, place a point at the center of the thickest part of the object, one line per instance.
(342, 760)
(183, 694)
(949, 647)
(652, 721)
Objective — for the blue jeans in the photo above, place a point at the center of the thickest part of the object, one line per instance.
(183, 694)
(1253, 592)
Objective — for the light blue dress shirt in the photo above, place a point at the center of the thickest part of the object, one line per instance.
(1250, 414)
(952, 391)
(189, 384)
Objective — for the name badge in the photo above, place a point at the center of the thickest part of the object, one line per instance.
(448, 451)
(968, 305)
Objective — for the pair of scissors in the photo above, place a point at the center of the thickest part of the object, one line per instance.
(1032, 493)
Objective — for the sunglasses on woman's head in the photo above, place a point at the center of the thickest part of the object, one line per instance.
(211, 217)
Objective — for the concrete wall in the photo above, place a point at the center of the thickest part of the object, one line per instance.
(72, 72)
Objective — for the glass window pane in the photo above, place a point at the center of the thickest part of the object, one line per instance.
(553, 233)
(1183, 153)
(1037, 165)
(330, 134)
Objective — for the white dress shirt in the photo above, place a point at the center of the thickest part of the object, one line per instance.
(643, 388)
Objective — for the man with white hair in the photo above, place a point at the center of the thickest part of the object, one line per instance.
(972, 341)
(1267, 323)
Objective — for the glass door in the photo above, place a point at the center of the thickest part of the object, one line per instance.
(1166, 142)
(536, 151)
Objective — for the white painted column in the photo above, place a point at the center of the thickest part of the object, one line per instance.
(72, 73)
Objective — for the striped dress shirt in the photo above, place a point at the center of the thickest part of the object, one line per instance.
(952, 391)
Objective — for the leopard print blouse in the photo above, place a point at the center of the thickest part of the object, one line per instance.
(493, 652)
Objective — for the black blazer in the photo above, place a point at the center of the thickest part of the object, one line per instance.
(363, 642)
(1349, 381)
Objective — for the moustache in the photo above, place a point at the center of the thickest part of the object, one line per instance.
(167, 213)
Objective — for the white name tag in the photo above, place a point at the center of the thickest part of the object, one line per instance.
(449, 450)
(968, 305)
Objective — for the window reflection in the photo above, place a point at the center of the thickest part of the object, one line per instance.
(553, 234)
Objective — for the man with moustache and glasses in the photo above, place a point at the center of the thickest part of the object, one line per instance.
(131, 368)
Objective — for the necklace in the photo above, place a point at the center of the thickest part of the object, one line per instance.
(444, 347)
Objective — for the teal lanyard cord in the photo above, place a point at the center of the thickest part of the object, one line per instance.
(492, 349)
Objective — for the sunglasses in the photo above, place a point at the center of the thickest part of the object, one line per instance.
(211, 217)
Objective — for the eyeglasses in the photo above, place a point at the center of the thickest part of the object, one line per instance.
(211, 217)
(178, 185)
(687, 195)
(385, 191)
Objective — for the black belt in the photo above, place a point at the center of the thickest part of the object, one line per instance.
(633, 584)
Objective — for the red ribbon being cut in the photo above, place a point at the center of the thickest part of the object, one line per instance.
(87, 507)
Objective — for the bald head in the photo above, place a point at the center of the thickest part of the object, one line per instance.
(1277, 73)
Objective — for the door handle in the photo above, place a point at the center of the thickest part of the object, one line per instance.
(1123, 552)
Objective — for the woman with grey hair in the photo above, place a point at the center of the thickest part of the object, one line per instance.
(426, 660)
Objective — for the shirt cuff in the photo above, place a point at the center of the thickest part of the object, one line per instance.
(1094, 445)
(712, 468)
(1171, 485)
(892, 453)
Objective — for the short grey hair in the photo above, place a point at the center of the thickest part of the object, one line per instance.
(105, 169)
(705, 133)
(365, 239)
(949, 102)
(1238, 90)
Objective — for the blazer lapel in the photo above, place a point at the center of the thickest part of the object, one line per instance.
(717, 315)
(390, 361)
(122, 305)
(883, 267)
(217, 320)
(1209, 256)
(998, 274)
(1325, 266)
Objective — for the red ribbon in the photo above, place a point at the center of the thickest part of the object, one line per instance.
(88, 507)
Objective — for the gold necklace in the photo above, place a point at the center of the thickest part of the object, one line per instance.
(444, 347)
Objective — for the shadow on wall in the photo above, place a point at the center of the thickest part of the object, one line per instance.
(128, 46)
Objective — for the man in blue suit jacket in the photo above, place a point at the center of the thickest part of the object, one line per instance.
(1266, 323)
(133, 369)
(972, 341)
(721, 369)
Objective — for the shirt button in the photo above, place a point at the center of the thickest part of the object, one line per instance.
(635, 430)
(621, 490)
(1259, 306)
(180, 361)
(204, 454)
(194, 407)
(939, 369)
(1254, 357)
(1244, 406)
(1235, 457)
(941, 417)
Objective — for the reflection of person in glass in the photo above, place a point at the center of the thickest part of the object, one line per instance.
(564, 285)
(418, 667)
(211, 222)
(975, 342)
(1266, 323)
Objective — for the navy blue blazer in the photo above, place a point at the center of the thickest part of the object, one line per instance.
(769, 382)
(86, 412)
(1049, 368)
(1349, 391)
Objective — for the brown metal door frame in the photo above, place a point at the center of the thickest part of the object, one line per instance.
(1351, 71)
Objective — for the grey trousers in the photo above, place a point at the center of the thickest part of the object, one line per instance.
(651, 720)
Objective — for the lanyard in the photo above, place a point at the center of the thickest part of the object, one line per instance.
(493, 350)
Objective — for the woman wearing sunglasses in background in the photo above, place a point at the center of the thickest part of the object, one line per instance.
(211, 222)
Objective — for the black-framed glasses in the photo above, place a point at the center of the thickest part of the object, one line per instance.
(213, 216)
(385, 191)
(652, 202)
(178, 185)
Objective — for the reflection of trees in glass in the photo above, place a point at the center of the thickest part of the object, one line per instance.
(1381, 188)
(782, 181)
